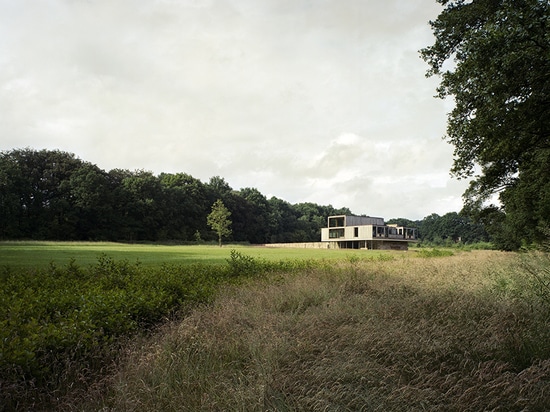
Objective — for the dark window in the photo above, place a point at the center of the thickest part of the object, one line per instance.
(356, 231)
(335, 233)
(336, 221)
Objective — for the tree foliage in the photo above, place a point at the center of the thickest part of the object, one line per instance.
(493, 57)
(450, 229)
(219, 220)
(54, 195)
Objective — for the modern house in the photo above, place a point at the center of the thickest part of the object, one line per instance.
(365, 232)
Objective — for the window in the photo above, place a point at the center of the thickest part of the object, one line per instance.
(356, 231)
(336, 221)
(335, 233)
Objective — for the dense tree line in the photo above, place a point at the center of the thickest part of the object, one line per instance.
(448, 230)
(54, 195)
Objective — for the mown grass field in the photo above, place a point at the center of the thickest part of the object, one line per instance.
(278, 330)
(21, 255)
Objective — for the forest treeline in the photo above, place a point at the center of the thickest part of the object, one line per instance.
(54, 195)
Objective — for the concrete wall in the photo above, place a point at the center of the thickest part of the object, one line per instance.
(304, 245)
(364, 233)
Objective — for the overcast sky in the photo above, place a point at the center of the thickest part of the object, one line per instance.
(319, 101)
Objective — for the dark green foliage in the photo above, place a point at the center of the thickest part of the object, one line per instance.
(430, 253)
(242, 265)
(500, 126)
(61, 320)
(404, 222)
(255, 219)
(451, 229)
(35, 194)
(283, 221)
(186, 205)
(52, 317)
(53, 195)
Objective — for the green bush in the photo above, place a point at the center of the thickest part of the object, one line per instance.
(65, 315)
(243, 265)
(429, 253)
(59, 318)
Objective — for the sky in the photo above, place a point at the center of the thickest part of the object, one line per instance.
(322, 101)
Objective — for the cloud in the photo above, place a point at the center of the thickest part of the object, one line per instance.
(320, 101)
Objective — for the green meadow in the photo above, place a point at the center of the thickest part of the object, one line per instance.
(67, 306)
(32, 254)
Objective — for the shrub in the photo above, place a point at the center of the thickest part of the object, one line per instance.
(429, 253)
(70, 315)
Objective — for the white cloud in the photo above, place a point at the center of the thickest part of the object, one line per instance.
(320, 101)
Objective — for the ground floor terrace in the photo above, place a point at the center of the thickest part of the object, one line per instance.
(374, 244)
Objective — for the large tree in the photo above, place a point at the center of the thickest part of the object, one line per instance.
(493, 57)
(185, 206)
(35, 198)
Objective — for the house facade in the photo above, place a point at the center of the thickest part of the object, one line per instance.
(365, 232)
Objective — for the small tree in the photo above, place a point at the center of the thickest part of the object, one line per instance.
(219, 221)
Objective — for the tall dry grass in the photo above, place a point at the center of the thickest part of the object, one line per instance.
(456, 333)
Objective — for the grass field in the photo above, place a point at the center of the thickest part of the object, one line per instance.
(66, 306)
(273, 329)
(468, 332)
(40, 254)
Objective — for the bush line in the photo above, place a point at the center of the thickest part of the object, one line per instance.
(70, 317)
